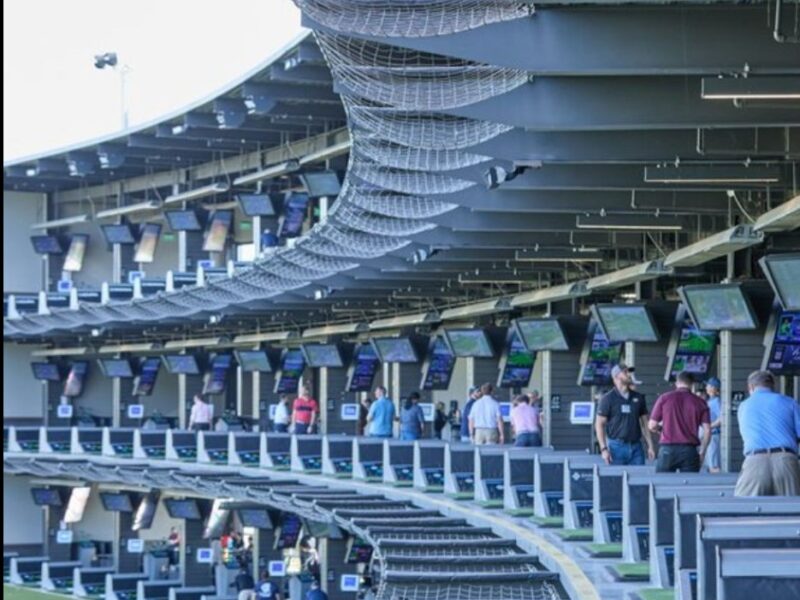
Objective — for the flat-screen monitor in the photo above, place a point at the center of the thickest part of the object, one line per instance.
(783, 273)
(782, 355)
(358, 551)
(321, 183)
(255, 517)
(362, 372)
(469, 343)
(323, 355)
(116, 501)
(183, 220)
(146, 511)
(145, 381)
(116, 367)
(719, 307)
(625, 322)
(439, 365)
(46, 371)
(293, 363)
(217, 520)
(294, 215)
(181, 364)
(46, 497)
(217, 232)
(77, 250)
(598, 357)
(148, 242)
(78, 498)
(217, 376)
(118, 233)
(73, 386)
(47, 244)
(253, 360)
(581, 413)
(516, 364)
(690, 349)
(395, 350)
(541, 334)
(186, 508)
(290, 531)
(256, 205)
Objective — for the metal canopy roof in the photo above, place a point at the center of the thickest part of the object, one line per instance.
(584, 121)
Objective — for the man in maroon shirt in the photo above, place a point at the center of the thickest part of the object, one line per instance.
(678, 415)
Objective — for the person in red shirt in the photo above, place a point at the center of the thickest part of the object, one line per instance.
(678, 415)
(304, 412)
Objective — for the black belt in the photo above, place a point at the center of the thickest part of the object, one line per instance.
(772, 451)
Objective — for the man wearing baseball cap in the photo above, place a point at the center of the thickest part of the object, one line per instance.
(622, 421)
(713, 460)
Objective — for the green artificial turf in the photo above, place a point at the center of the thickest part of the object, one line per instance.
(549, 522)
(656, 594)
(13, 592)
(520, 512)
(492, 504)
(463, 496)
(631, 571)
(604, 550)
(575, 535)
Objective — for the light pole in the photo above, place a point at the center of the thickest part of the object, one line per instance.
(109, 59)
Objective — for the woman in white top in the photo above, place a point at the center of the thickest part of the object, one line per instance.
(281, 419)
(200, 417)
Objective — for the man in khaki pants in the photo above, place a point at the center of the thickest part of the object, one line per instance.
(770, 426)
(485, 420)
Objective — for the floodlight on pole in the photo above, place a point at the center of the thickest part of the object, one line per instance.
(110, 59)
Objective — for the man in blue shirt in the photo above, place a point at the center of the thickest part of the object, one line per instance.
(770, 426)
(316, 593)
(380, 418)
(474, 394)
(713, 461)
(267, 590)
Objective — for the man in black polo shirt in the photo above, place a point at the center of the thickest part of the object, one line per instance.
(621, 421)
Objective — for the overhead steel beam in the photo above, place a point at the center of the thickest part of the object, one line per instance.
(301, 74)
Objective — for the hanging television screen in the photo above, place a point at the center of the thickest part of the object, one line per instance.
(358, 551)
(183, 220)
(690, 349)
(217, 376)
(148, 242)
(181, 364)
(217, 232)
(625, 322)
(78, 498)
(783, 273)
(146, 511)
(292, 366)
(46, 496)
(186, 508)
(598, 357)
(47, 244)
(294, 215)
(76, 252)
(119, 233)
(466, 343)
(116, 367)
(46, 371)
(73, 386)
(323, 355)
(257, 518)
(782, 355)
(541, 334)
(144, 383)
(256, 205)
(516, 364)
(362, 372)
(253, 360)
(289, 535)
(395, 350)
(439, 365)
(321, 183)
(116, 502)
(719, 307)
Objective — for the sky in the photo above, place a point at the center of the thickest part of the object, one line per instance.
(178, 51)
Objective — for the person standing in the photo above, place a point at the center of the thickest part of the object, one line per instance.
(280, 421)
(621, 422)
(266, 589)
(525, 423)
(439, 420)
(472, 397)
(200, 417)
(412, 420)
(316, 592)
(245, 584)
(381, 415)
(678, 415)
(363, 412)
(304, 412)
(713, 461)
(485, 419)
(769, 423)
